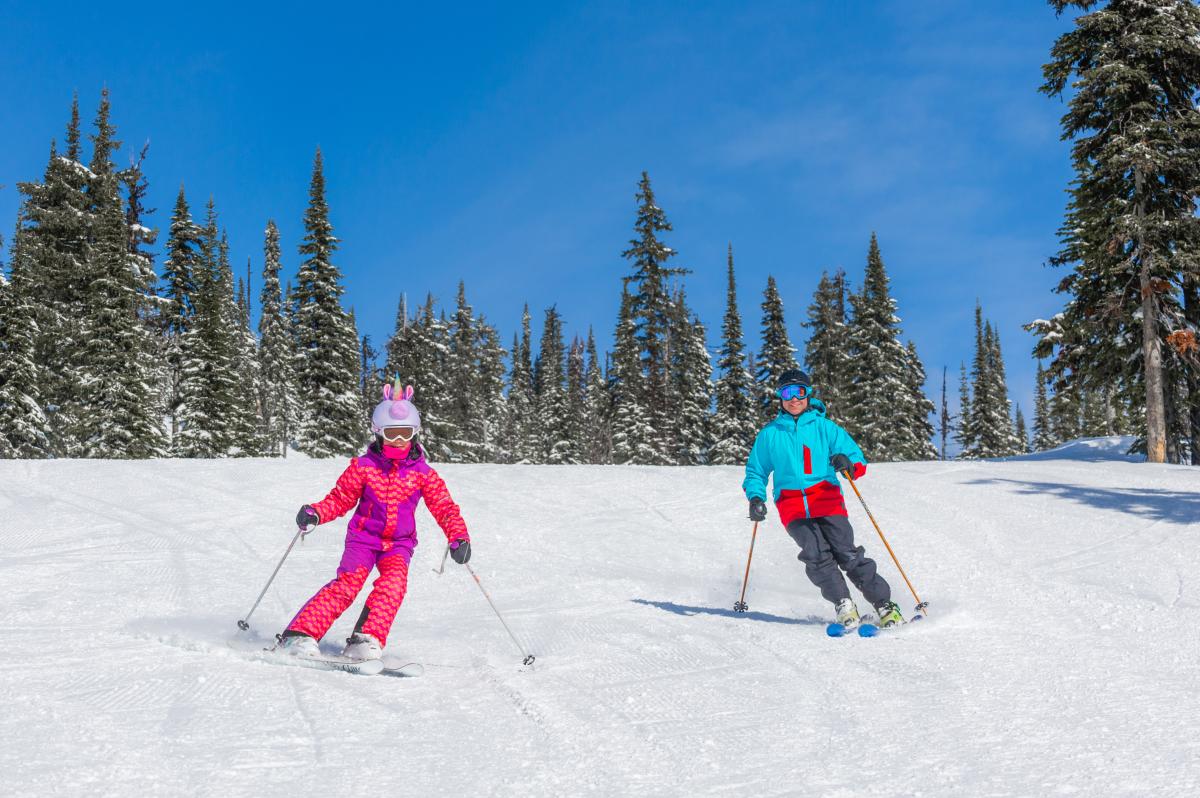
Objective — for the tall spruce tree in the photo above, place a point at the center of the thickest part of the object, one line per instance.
(24, 426)
(945, 419)
(116, 399)
(879, 366)
(180, 270)
(692, 386)
(650, 311)
(776, 356)
(522, 425)
(550, 388)
(489, 421)
(733, 425)
(916, 442)
(1131, 231)
(1043, 438)
(990, 416)
(965, 435)
(327, 363)
(827, 354)
(632, 433)
(462, 371)
(597, 432)
(278, 403)
(1020, 431)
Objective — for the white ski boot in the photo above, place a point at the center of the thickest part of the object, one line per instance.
(847, 613)
(298, 644)
(361, 646)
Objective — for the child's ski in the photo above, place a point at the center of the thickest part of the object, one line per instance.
(365, 667)
(398, 667)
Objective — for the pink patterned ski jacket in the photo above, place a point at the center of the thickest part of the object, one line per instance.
(386, 492)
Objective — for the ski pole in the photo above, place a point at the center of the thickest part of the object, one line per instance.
(922, 606)
(242, 624)
(442, 567)
(741, 605)
(528, 657)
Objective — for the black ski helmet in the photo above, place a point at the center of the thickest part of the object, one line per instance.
(793, 377)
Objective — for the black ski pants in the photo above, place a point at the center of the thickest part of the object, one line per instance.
(827, 544)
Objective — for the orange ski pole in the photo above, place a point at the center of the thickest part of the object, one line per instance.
(922, 607)
(741, 604)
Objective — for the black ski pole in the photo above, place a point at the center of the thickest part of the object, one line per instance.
(243, 623)
(528, 657)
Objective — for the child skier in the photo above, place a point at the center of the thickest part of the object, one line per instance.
(386, 483)
(805, 450)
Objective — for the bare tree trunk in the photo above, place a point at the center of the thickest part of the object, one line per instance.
(1152, 365)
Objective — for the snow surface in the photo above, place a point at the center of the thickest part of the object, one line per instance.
(1059, 658)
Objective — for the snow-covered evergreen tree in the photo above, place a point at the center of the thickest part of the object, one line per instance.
(734, 424)
(964, 435)
(550, 389)
(776, 356)
(24, 427)
(597, 432)
(522, 439)
(650, 311)
(491, 416)
(277, 401)
(991, 421)
(115, 396)
(879, 367)
(692, 386)
(1043, 438)
(945, 419)
(1131, 69)
(245, 431)
(1020, 431)
(827, 354)
(575, 407)
(916, 440)
(180, 270)
(632, 434)
(464, 410)
(327, 363)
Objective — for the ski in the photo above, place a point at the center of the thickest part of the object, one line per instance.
(399, 668)
(836, 629)
(365, 667)
(871, 630)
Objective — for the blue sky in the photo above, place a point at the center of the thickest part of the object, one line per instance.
(502, 144)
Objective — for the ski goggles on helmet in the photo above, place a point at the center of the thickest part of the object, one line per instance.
(789, 392)
(399, 433)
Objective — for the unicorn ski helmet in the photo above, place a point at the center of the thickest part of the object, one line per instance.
(396, 409)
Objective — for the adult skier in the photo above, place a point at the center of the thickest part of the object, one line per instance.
(805, 450)
(385, 483)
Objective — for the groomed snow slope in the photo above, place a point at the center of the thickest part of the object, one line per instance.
(1060, 656)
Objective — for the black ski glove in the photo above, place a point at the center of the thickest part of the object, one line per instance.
(307, 517)
(758, 509)
(840, 463)
(460, 551)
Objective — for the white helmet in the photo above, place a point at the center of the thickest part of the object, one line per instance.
(396, 409)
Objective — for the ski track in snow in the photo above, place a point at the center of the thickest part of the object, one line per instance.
(1059, 657)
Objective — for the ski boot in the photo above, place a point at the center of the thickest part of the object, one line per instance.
(889, 614)
(847, 613)
(298, 644)
(361, 646)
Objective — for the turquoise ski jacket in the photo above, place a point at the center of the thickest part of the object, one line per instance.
(795, 451)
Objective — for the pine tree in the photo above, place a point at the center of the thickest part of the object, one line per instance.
(278, 403)
(965, 436)
(54, 239)
(916, 437)
(692, 387)
(650, 311)
(550, 389)
(879, 365)
(827, 354)
(1043, 438)
(522, 425)
(1020, 431)
(327, 365)
(574, 410)
(426, 363)
(462, 371)
(945, 418)
(179, 277)
(776, 356)
(733, 425)
(990, 418)
(491, 416)
(116, 397)
(370, 378)
(598, 434)
(24, 427)
(632, 433)
(1132, 68)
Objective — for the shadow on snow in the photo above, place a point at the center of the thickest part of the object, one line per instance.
(1153, 503)
(683, 609)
